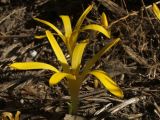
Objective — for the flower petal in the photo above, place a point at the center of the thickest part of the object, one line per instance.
(156, 10)
(32, 66)
(82, 17)
(39, 36)
(53, 27)
(104, 20)
(97, 28)
(17, 116)
(57, 50)
(77, 56)
(57, 77)
(7, 115)
(67, 25)
(108, 83)
(94, 59)
(76, 30)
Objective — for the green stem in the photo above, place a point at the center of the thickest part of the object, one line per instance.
(74, 87)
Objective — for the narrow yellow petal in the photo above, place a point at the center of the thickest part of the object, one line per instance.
(57, 50)
(156, 11)
(42, 36)
(97, 28)
(109, 84)
(82, 17)
(39, 36)
(76, 30)
(96, 83)
(104, 20)
(94, 59)
(53, 27)
(68, 30)
(67, 25)
(73, 39)
(77, 56)
(17, 116)
(32, 66)
(57, 77)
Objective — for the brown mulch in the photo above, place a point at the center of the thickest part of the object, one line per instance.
(134, 63)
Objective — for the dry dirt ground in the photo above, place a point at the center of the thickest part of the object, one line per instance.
(134, 63)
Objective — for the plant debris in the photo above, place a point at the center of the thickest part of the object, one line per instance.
(133, 63)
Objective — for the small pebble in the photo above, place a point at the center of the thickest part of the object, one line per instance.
(33, 53)
(22, 101)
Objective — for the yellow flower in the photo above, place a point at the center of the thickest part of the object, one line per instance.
(71, 36)
(72, 72)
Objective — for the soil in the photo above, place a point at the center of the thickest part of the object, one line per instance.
(134, 63)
